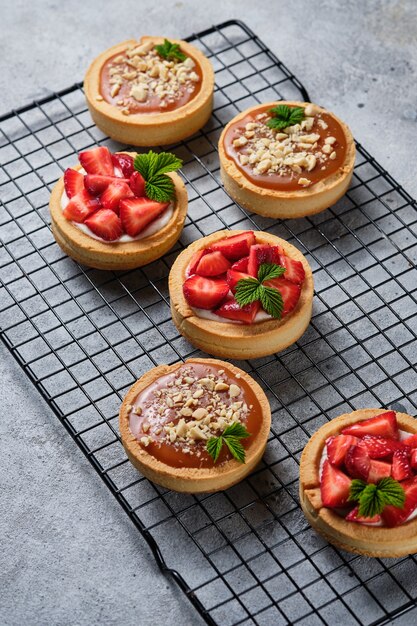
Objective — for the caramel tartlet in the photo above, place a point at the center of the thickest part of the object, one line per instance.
(290, 171)
(370, 445)
(137, 96)
(170, 413)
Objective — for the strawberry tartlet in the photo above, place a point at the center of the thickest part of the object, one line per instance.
(118, 211)
(241, 294)
(358, 482)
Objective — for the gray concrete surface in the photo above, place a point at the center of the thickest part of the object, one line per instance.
(69, 554)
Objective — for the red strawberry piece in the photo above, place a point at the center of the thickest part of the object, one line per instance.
(413, 459)
(290, 293)
(124, 162)
(137, 213)
(384, 424)
(105, 224)
(116, 191)
(241, 265)
(205, 293)
(137, 184)
(195, 260)
(233, 277)
(96, 184)
(294, 270)
(212, 264)
(378, 470)
(354, 516)
(232, 311)
(73, 182)
(236, 246)
(410, 441)
(81, 206)
(97, 161)
(401, 468)
(380, 447)
(334, 486)
(338, 446)
(394, 516)
(357, 462)
(262, 253)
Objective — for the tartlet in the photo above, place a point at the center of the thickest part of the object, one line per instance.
(212, 321)
(114, 244)
(390, 534)
(165, 425)
(287, 172)
(138, 97)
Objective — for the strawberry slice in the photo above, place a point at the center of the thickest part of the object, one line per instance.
(124, 162)
(212, 264)
(233, 277)
(73, 182)
(401, 468)
(105, 224)
(334, 486)
(380, 447)
(294, 270)
(116, 191)
(81, 206)
(354, 516)
(232, 311)
(410, 441)
(235, 247)
(392, 515)
(97, 161)
(96, 183)
(137, 213)
(384, 424)
(290, 293)
(137, 184)
(357, 462)
(338, 446)
(262, 253)
(241, 265)
(205, 293)
(378, 470)
(413, 459)
(195, 260)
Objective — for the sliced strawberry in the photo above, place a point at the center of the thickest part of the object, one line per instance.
(378, 470)
(105, 224)
(236, 246)
(137, 213)
(241, 265)
(81, 206)
(354, 516)
(195, 260)
(137, 184)
(401, 468)
(413, 459)
(357, 462)
(96, 183)
(410, 441)
(212, 264)
(289, 291)
(338, 446)
(97, 161)
(205, 293)
(381, 447)
(263, 253)
(73, 182)
(233, 277)
(124, 162)
(384, 424)
(394, 516)
(294, 270)
(116, 191)
(232, 311)
(334, 486)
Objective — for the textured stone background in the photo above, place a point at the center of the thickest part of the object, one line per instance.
(69, 553)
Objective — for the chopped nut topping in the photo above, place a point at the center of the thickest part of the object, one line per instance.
(234, 391)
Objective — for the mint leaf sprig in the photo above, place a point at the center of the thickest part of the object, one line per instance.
(249, 290)
(373, 498)
(169, 51)
(154, 166)
(231, 437)
(283, 116)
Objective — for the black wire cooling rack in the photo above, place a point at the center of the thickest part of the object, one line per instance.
(83, 336)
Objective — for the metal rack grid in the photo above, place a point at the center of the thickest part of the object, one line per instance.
(83, 336)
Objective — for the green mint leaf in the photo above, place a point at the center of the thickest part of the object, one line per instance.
(146, 164)
(277, 124)
(169, 50)
(247, 291)
(283, 116)
(161, 189)
(213, 447)
(392, 491)
(297, 115)
(236, 430)
(281, 112)
(153, 166)
(371, 501)
(268, 271)
(236, 448)
(167, 162)
(271, 300)
(231, 436)
(356, 488)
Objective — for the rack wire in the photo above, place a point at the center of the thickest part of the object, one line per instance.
(83, 336)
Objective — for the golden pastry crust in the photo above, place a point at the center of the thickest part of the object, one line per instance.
(186, 479)
(239, 341)
(150, 129)
(376, 541)
(286, 204)
(116, 256)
